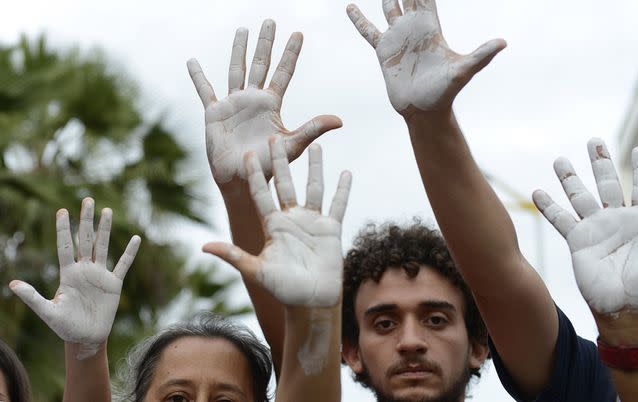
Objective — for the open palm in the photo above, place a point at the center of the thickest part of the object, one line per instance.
(419, 68)
(301, 263)
(604, 243)
(248, 116)
(86, 301)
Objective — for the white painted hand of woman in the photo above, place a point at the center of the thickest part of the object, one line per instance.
(248, 116)
(604, 242)
(301, 263)
(419, 68)
(85, 303)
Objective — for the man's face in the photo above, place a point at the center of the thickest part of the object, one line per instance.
(413, 343)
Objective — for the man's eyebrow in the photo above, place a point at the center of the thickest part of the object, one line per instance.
(426, 304)
(380, 308)
(437, 305)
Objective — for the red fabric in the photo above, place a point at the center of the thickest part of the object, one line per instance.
(619, 357)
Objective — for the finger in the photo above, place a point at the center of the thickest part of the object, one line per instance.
(237, 68)
(286, 67)
(609, 189)
(562, 220)
(261, 59)
(634, 164)
(202, 86)
(583, 202)
(123, 265)
(281, 173)
(64, 239)
(103, 234)
(409, 5)
(299, 139)
(365, 27)
(42, 307)
(259, 190)
(340, 200)
(85, 230)
(245, 263)
(314, 189)
(481, 57)
(391, 10)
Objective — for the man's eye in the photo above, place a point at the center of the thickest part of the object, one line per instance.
(384, 325)
(436, 321)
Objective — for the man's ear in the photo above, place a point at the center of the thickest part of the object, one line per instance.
(350, 354)
(478, 354)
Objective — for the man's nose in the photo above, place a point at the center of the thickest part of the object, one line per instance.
(412, 338)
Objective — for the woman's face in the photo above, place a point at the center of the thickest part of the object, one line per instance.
(198, 369)
(4, 389)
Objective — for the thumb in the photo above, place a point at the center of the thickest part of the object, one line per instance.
(481, 57)
(246, 263)
(30, 297)
(299, 139)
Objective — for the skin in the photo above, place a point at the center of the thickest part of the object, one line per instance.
(84, 306)
(301, 267)
(603, 248)
(243, 122)
(4, 390)
(463, 202)
(185, 373)
(412, 341)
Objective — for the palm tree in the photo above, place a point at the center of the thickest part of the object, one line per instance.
(70, 127)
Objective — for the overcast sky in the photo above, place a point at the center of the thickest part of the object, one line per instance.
(567, 74)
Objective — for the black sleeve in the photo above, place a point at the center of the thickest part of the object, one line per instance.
(578, 374)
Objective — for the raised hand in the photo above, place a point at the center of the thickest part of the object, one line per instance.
(86, 301)
(604, 243)
(419, 68)
(248, 116)
(301, 263)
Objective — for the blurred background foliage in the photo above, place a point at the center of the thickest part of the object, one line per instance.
(71, 126)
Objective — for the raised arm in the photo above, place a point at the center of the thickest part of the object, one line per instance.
(423, 76)
(242, 122)
(84, 306)
(301, 266)
(604, 248)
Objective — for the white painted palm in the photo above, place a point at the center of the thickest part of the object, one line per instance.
(301, 263)
(86, 301)
(419, 68)
(247, 117)
(604, 243)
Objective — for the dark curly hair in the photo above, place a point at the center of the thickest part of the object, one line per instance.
(379, 247)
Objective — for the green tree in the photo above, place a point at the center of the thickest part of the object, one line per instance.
(71, 127)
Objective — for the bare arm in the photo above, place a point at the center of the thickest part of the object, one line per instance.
(242, 122)
(604, 248)
(84, 306)
(302, 267)
(423, 76)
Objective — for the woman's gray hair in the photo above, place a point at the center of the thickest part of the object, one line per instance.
(136, 372)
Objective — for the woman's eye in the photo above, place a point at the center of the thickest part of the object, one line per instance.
(177, 398)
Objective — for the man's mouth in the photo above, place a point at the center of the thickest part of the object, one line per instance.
(414, 372)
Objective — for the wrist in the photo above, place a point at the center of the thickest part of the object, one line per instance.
(618, 329)
(622, 357)
(415, 118)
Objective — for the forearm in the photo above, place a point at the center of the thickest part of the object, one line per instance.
(247, 233)
(461, 198)
(87, 379)
(621, 330)
(312, 357)
(513, 300)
